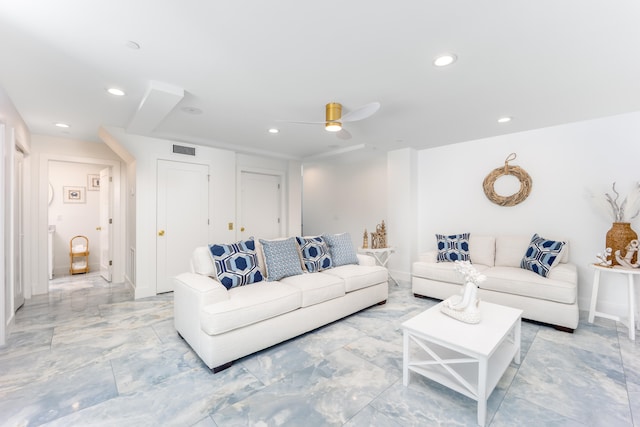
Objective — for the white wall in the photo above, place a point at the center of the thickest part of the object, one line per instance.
(402, 210)
(345, 194)
(72, 219)
(564, 162)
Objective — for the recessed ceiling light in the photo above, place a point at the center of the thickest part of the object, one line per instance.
(115, 91)
(191, 110)
(274, 130)
(62, 125)
(444, 60)
(505, 119)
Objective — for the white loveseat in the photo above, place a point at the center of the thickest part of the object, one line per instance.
(222, 325)
(552, 299)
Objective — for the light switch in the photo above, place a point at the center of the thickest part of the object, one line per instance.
(230, 226)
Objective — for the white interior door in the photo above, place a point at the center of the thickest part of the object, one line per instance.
(260, 206)
(18, 282)
(106, 224)
(182, 217)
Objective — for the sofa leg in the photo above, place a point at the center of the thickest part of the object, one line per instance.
(382, 302)
(222, 367)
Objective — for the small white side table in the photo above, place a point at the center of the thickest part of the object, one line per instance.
(381, 256)
(630, 320)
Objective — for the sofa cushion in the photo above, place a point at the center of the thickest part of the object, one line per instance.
(454, 247)
(202, 263)
(542, 255)
(482, 250)
(281, 258)
(510, 249)
(315, 253)
(359, 276)
(559, 286)
(316, 287)
(236, 263)
(249, 304)
(341, 249)
(442, 271)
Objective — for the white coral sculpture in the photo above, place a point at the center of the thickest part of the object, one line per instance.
(471, 275)
(620, 210)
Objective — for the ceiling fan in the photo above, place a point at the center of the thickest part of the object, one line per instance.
(334, 118)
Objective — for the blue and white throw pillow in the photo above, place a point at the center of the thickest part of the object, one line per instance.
(542, 254)
(281, 258)
(236, 263)
(453, 248)
(315, 253)
(341, 249)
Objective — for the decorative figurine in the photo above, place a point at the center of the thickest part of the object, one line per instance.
(625, 261)
(603, 258)
(379, 237)
(465, 307)
(365, 240)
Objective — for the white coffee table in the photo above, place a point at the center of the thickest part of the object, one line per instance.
(469, 359)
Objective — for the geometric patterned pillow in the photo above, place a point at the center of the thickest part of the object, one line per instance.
(315, 253)
(281, 258)
(453, 248)
(236, 263)
(341, 249)
(542, 254)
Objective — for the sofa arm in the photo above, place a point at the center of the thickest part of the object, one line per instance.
(366, 260)
(191, 292)
(430, 257)
(204, 288)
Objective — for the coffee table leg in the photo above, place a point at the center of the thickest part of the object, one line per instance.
(405, 359)
(482, 391)
(516, 338)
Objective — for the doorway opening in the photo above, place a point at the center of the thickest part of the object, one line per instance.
(79, 204)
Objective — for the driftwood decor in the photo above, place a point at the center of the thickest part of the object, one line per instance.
(518, 172)
(379, 237)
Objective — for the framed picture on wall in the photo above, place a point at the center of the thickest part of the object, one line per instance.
(93, 182)
(73, 194)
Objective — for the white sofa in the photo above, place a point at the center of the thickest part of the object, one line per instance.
(224, 325)
(552, 299)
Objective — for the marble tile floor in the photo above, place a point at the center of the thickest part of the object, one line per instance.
(87, 354)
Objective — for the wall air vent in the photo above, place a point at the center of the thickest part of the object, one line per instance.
(180, 149)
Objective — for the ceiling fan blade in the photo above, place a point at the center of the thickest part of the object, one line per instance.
(343, 134)
(301, 123)
(361, 113)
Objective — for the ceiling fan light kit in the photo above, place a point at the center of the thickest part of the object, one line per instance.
(334, 112)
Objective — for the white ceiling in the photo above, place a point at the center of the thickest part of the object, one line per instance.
(248, 63)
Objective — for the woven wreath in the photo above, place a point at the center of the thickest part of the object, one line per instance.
(518, 172)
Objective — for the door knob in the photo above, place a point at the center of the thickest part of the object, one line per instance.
(161, 233)
(241, 228)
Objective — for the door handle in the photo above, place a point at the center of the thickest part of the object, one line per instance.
(161, 233)
(99, 228)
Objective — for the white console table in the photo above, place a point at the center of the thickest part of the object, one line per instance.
(630, 320)
(381, 256)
